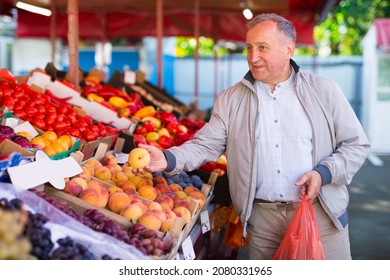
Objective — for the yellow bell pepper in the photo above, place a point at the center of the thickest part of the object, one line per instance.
(119, 102)
(95, 97)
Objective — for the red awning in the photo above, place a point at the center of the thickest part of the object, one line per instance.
(217, 25)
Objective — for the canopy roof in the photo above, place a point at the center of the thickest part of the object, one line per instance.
(219, 19)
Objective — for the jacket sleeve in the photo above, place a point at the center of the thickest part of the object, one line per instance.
(208, 144)
(351, 143)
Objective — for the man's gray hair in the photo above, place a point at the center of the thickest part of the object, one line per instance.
(284, 25)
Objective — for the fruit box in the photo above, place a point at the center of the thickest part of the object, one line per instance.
(79, 206)
(89, 149)
(8, 147)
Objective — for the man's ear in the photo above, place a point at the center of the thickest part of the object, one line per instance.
(290, 48)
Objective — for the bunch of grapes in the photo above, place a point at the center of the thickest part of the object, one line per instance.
(68, 249)
(39, 236)
(13, 218)
(148, 241)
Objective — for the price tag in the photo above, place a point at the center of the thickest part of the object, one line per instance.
(129, 77)
(188, 249)
(204, 221)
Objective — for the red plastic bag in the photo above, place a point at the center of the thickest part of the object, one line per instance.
(302, 240)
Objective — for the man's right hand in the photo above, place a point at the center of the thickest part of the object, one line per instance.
(157, 163)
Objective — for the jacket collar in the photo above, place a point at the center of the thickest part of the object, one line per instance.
(248, 76)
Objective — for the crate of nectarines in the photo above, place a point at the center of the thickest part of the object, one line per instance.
(154, 201)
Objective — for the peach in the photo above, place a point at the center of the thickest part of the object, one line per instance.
(162, 188)
(169, 214)
(90, 195)
(103, 192)
(103, 173)
(129, 173)
(114, 168)
(85, 174)
(88, 168)
(93, 162)
(126, 166)
(183, 212)
(150, 220)
(82, 182)
(190, 189)
(159, 180)
(129, 191)
(147, 192)
(126, 185)
(142, 205)
(159, 213)
(154, 206)
(139, 158)
(138, 181)
(199, 196)
(175, 187)
(181, 194)
(174, 196)
(113, 189)
(73, 188)
(165, 201)
(183, 203)
(135, 198)
(167, 225)
(109, 182)
(132, 212)
(117, 201)
(118, 177)
(109, 159)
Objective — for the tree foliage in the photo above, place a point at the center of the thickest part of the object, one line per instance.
(346, 26)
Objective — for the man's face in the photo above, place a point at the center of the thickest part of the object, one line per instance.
(269, 52)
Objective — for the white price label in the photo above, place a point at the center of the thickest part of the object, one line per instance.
(205, 221)
(129, 77)
(188, 249)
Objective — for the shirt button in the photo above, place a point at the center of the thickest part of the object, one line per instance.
(275, 121)
(278, 171)
(277, 145)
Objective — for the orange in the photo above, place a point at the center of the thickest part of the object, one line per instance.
(50, 135)
(50, 150)
(67, 140)
(39, 140)
(59, 147)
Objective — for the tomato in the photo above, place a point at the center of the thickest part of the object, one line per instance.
(58, 125)
(63, 108)
(20, 113)
(89, 135)
(31, 111)
(9, 102)
(51, 115)
(39, 123)
(74, 132)
(41, 109)
(60, 117)
(51, 109)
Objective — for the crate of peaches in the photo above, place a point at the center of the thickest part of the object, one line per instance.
(152, 200)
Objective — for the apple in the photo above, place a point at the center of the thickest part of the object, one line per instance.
(139, 158)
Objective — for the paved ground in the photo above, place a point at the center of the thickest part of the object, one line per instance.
(369, 211)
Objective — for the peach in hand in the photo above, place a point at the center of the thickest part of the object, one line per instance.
(139, 158)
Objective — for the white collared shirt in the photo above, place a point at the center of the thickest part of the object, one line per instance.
(285, 142)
